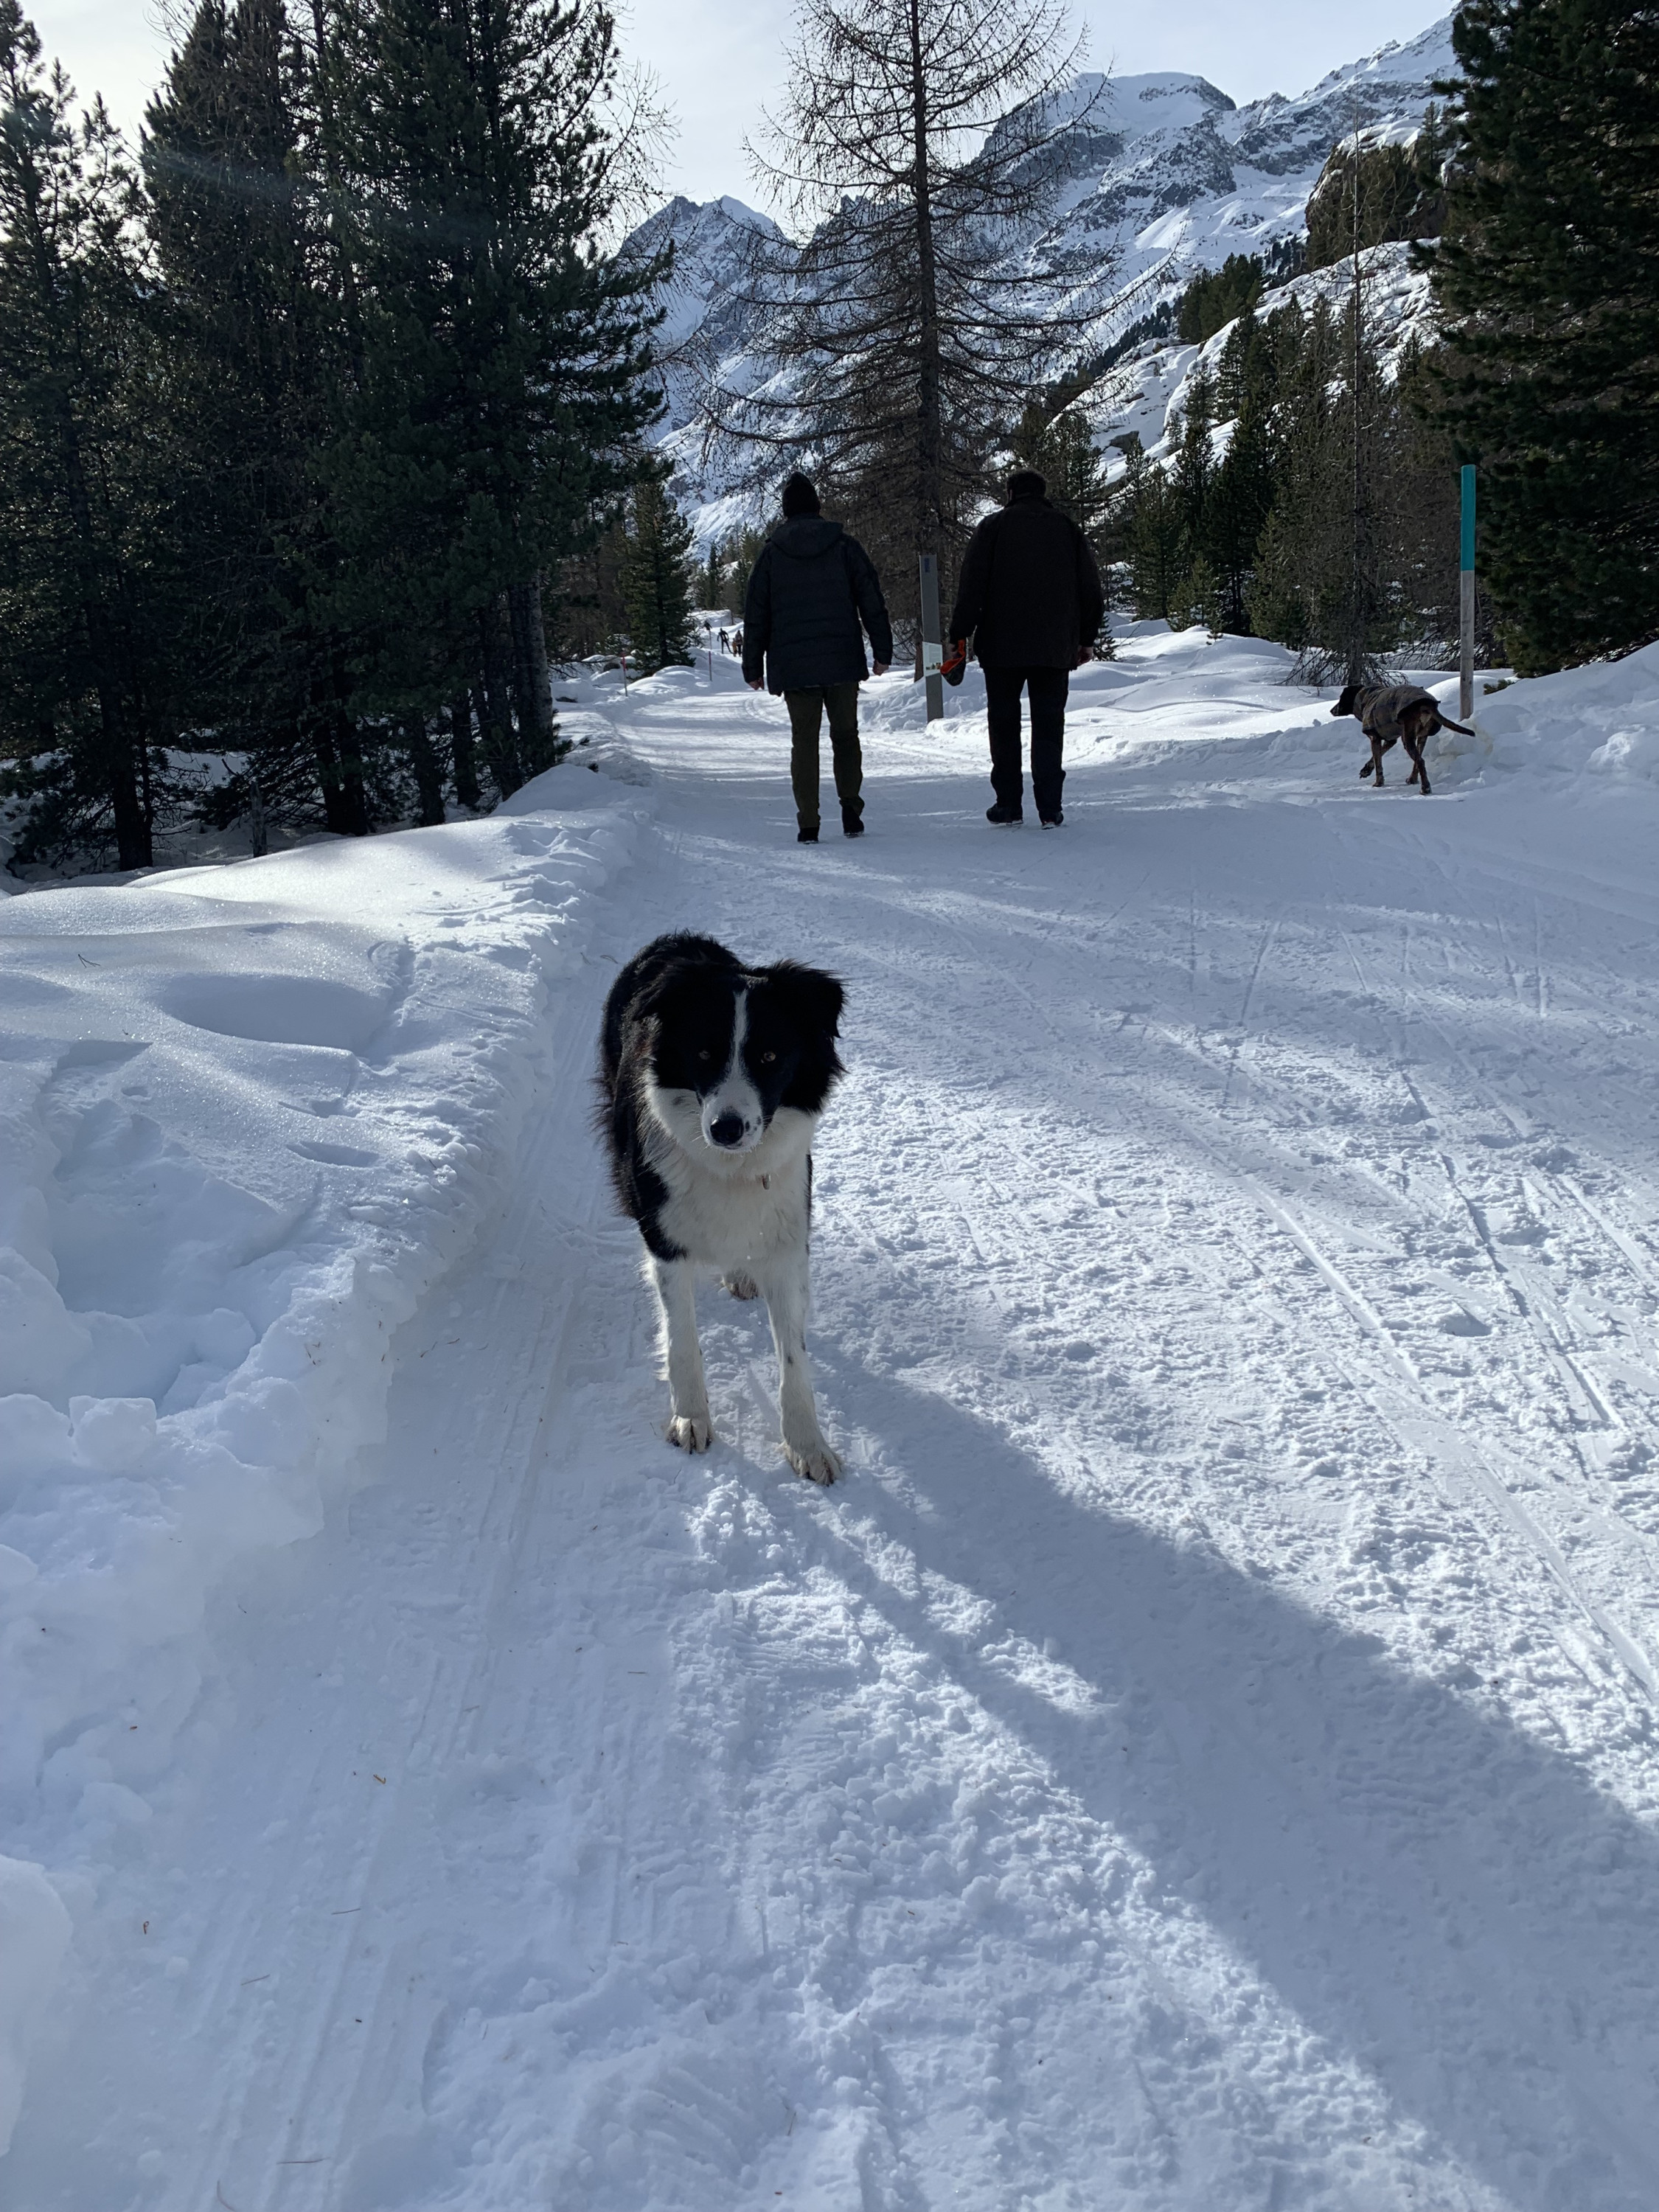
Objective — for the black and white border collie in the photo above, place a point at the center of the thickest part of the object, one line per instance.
(714, 1076)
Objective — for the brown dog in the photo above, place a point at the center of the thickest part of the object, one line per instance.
(1401, 714)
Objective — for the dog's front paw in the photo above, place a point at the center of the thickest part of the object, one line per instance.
(740, 1286)
(814, 1460)
(692, 1432)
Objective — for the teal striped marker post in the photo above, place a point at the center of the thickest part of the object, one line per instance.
(1466, 603)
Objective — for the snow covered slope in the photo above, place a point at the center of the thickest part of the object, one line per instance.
(1146, 392)
(1201, 1755)
(248, 1115)
(1165, 177)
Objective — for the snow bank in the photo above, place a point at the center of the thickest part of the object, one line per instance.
(34, 1934)
(248, 1115)
(1602, 720)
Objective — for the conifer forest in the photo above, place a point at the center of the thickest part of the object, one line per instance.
(331, 411)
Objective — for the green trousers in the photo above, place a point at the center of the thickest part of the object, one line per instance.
(805, 715)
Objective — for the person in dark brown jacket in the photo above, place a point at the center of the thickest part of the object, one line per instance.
(1031, 599)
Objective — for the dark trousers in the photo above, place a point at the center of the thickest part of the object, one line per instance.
(1046, 688)
(805, 715)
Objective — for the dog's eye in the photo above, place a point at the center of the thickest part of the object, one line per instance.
(704, 1055)
(767, 1058)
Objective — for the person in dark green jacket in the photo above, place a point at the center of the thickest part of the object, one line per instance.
(813, 596)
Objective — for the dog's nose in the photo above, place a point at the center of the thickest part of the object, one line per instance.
(726, 1130)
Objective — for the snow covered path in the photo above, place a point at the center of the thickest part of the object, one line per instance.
(1203, 1756)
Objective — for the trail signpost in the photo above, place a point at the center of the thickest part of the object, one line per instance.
(1466, 603)
(932, 634)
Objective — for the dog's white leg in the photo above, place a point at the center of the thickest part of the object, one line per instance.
(784, 1287)
(688, 1425)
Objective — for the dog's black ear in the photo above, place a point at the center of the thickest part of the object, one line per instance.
(1345, 704)
(818, 995)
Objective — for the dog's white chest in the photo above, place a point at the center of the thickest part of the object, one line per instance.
(740, 1220)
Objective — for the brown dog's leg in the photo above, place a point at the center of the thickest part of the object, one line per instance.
(1415, 736)
(1377, 750)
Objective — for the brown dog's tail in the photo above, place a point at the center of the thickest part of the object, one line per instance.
(1447, 723)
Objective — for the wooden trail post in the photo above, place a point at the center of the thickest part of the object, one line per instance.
(1466, 602)
(933, 648)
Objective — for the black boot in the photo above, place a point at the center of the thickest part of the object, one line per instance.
(1005, 817)
(852, 820)
(807, 836)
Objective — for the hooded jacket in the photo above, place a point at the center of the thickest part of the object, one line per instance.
(1029, 595)
(810, 589)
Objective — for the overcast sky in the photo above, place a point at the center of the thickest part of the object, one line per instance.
(719, 60)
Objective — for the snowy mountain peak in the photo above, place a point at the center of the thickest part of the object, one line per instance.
(1162, 175)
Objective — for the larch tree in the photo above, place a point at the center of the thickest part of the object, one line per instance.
(917, 142)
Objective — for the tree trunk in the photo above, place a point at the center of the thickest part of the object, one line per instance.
(349, 750)
(133, 844)
(339, 773)
(524, 670)
(121, 765)
(463, 760)
(427, 769)
(930, 433)
(500, 749)
(258, 837)
(540, 675)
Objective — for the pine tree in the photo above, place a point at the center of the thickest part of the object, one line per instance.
(501, 386)
(1192, 433)
(1548, 283)
(657, 580)
(746, 551)
(1241, 489)
(1299, 594)
(1061, 448)
(83, 616)
(1150, 531)
(259, 352)
(592, 613)
(1215, 296)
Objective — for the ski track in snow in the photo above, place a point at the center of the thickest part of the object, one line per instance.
(1201, 1755)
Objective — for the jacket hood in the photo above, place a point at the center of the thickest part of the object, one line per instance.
(806, 536)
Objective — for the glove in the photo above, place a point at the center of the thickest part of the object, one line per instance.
(955, 663)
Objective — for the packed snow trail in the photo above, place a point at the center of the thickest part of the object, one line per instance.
(1201, 1754)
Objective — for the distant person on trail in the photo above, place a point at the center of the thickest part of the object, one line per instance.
(811, 588)
(726, 643)
(1029, 598)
